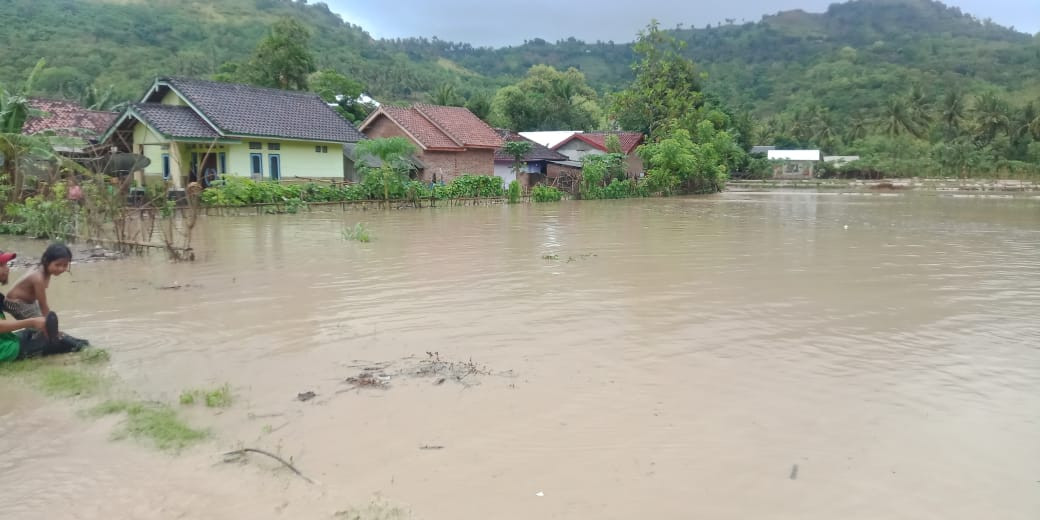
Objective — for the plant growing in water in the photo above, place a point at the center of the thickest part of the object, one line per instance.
(358, 233)
(542, 193)
(514, 192)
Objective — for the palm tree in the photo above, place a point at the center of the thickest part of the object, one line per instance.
(898, 120)
(992, 117)
(517, 150)
(15, 147)
(447, 96)
(954, 108)
(858, 127)
(919, 107)
(393, 154)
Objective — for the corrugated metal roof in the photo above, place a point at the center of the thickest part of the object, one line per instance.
(794, 155)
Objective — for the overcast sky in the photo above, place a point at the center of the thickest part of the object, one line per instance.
(506, 22)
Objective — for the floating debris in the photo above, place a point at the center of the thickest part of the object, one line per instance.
(369, 380)
(430, 447)
(305, 396)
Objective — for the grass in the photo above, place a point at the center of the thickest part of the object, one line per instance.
(378, 509)
(66, 376)
(216, 398)
(153, 421)
(359, 233)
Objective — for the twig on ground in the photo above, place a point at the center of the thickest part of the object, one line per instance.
(242, 452)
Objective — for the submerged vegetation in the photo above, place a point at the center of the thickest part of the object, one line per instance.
(358, 233)
(155, 422)
(81, 375)
(216, 398)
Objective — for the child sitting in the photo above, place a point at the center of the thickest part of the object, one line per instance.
(28, 298)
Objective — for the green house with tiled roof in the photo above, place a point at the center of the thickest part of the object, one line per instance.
(195, 130)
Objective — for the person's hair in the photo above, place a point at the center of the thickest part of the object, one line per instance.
(54, 253)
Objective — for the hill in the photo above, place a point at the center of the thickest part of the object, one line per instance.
(849, 59)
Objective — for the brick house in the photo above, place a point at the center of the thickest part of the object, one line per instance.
(451, 140)
(536, 161)
(579, 145)
(68, 119)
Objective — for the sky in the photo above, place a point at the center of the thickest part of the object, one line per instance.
(509, 22)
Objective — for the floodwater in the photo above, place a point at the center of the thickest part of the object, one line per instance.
(745, 356)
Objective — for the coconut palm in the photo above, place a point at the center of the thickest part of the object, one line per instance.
(394, 155)
(992, 117)
(954, 111)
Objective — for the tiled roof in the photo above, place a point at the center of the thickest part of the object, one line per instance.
(67, 118)
(255, 111)
(175, 121)
(462, 125)
(441, 128)
(629, 140)
(537, 153)
(421, 128)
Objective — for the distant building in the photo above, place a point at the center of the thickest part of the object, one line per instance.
(549, 139)
(451, 140)
(536, 161)
(794, 164)
(761, 150)
(840, 160)
(578, 146)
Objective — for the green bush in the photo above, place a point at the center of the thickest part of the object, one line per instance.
(514, 192)
(542, 193)
(42, 217)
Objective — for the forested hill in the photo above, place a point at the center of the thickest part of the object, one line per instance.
(854, 56)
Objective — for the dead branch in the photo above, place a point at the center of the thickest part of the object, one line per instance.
(242, 453)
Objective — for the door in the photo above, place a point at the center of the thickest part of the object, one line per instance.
(276, 166)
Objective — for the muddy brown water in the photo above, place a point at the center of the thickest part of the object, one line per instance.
(689, 357)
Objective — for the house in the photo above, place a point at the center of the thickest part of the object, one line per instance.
(761, 150)
(840, 160)
(451, 140)
(564, 175)
(578, 145)
(551, 138)
(794, 164)
(69, 120)
(193, 130)
(536, 161)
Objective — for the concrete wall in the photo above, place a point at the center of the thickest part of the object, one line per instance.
(298, 158)
(794, 170)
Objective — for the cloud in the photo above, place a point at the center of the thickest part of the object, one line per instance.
(508, 22)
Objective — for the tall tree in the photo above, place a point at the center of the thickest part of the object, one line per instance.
(282, 59)
(446, 95)
(992, 117)
(548, 99)
(667, 85)
(346, 93)
(517, 150)
(954, 110)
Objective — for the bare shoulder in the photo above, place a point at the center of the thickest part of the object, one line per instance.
(25, 289)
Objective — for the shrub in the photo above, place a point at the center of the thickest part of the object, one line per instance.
(542, 193)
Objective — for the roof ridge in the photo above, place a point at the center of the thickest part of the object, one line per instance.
(300, 93)
(418, 108)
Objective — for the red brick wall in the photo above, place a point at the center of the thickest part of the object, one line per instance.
(448, 165)
(383, 128)
(633, 164)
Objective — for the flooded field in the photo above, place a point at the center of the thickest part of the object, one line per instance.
(745, 356)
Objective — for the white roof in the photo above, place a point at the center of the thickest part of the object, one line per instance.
(793, 155)
(840, 158)
(549, 139)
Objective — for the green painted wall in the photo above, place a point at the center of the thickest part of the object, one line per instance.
(298, 159)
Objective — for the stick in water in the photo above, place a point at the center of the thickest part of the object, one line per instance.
(273, 456)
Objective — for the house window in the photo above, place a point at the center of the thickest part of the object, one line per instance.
(166, 166)
(321, 149)
(194, 161)
(276, 166)
(256, 146)
(222, 158)
(274, 146)
(256, 161)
